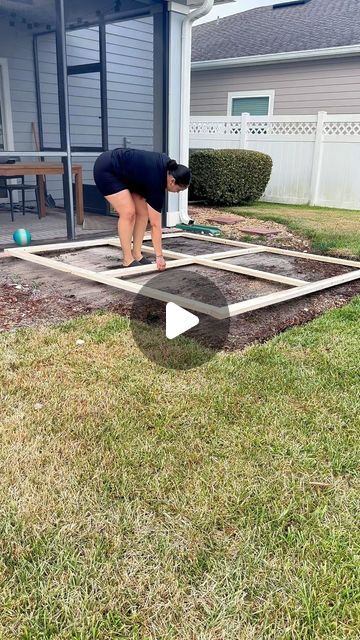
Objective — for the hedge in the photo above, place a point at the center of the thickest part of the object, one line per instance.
(229, 176)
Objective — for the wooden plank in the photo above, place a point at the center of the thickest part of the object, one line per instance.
(35, 168)
(41, 189)
(289, 294)
(79, 196)
(285, 252)
(246, 271)
(118, 283)
(60, 246)
(166, 253)
(231, 254)
(233, 243)
(313, 256)
(148, 268)
(147, 236)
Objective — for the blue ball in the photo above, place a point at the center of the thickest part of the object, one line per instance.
(22, 237)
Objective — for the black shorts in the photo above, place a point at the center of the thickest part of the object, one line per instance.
(106, 180)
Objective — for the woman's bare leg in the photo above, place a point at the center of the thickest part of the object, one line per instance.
(141, 220)
(124, 206)
(156, 236)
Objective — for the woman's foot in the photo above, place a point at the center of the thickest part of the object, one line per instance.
(134, 263)
(142, 260)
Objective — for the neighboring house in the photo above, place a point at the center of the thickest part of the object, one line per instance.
(300, 57)
(124, 77)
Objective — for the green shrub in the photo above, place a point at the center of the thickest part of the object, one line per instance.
(229, 176)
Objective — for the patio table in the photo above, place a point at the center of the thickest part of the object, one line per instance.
(40, 169)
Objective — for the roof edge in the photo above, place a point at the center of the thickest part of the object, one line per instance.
(283, 56)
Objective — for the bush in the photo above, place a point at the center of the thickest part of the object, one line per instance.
(229, 176)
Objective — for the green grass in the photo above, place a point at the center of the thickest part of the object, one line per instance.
(333, 231)
(145, 504)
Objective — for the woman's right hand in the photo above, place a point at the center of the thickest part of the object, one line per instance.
(160, 263)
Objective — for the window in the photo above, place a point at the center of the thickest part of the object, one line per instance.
(254, 106)
(255, 103)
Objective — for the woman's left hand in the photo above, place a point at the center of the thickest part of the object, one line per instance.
(160, 263)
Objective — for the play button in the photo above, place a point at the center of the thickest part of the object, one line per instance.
(178, 320)
(167, 332)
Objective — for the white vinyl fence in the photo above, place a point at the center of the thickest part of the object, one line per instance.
(316, 159)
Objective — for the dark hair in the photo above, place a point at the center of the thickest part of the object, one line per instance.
(181, 173)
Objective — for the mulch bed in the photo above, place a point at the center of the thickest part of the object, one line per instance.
(282, 237)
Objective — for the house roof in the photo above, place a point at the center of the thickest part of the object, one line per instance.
(317, 24)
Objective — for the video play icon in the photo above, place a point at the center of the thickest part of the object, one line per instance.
(157, 326)
(178, 320)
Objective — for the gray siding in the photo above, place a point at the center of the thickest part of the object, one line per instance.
(16, 46)
(130, 89)
(300, 87)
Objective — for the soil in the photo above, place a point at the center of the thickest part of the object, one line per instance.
(31, 295)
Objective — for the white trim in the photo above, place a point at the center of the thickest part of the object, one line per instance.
(185, 88)
(6, 112)
(6, 116)
(284, 56)
(270, 93)
(179, 8)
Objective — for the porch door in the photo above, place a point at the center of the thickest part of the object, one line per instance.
(87, 107)
(111, 94)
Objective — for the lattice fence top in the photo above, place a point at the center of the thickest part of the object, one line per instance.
(254, 128)
(342, 128)
(222, 128)
(258, 127)
(281, 128)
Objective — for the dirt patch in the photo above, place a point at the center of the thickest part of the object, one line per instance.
(25, 306)
(193, 246)
(234, 287)
(282, 237)
(31, 295)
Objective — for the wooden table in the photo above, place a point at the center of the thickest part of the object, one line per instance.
(40, 169)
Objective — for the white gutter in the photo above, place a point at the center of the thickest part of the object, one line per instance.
(284, 56)
(206, 6)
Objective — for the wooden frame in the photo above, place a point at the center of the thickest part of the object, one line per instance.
(119, 277)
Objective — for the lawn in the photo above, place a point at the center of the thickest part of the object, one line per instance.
(334, 231)
(219, 503)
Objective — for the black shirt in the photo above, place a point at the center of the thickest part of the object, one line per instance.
(143, 172)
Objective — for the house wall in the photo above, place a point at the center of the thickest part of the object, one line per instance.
(130, 89)
(16, 47)
(304, 87)
(129, 48)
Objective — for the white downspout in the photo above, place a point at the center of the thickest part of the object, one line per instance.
(206, 6)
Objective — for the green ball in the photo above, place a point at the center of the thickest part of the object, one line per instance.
(22, 237)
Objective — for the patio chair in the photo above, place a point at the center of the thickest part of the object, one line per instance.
(8, 189)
